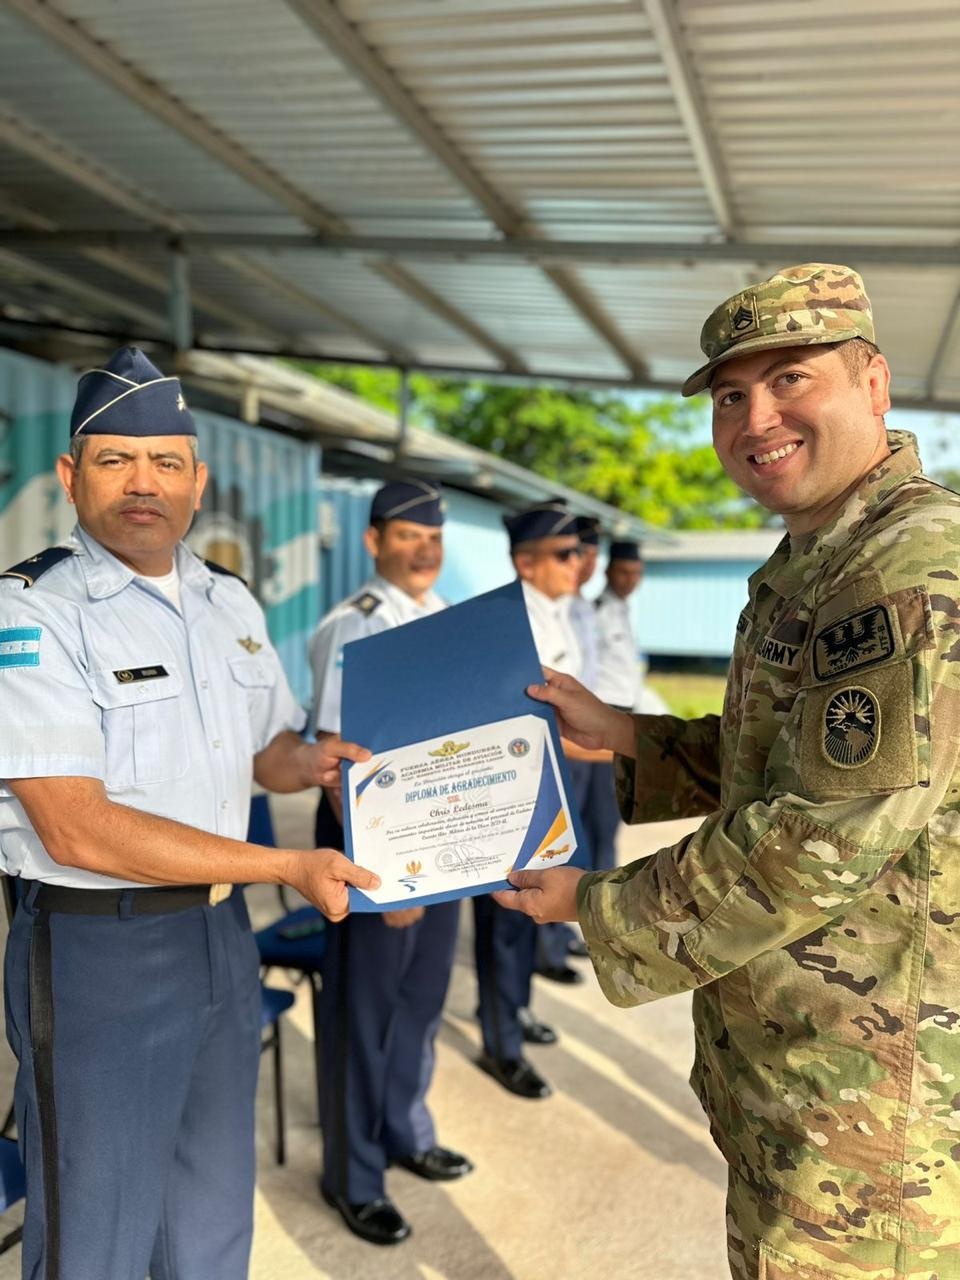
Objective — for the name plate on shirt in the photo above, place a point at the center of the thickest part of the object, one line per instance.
(452, 816)
(129, 674)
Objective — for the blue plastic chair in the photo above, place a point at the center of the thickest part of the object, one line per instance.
(298, 940)
(300, 955)
(13, 1187)
(13, 1181)
(274, 1003)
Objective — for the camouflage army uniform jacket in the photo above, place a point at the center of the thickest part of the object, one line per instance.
(817, 909)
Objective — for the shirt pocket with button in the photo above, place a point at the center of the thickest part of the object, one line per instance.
(257, 679)
(143, 728)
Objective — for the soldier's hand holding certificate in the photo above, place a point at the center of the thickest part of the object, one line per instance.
(467, 780)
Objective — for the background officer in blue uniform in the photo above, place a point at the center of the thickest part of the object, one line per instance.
(556, 941)
(545, 549)
(385, 976)
(618, 682)
(140, 697)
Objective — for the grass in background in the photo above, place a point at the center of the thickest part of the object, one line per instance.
(688, 694)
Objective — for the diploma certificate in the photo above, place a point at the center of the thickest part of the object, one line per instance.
(453, 815)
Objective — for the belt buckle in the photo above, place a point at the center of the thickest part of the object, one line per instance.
(219, 893)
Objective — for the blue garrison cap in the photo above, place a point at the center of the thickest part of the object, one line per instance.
(130, 397)
(588, 530)
(625, 551)
(546, 520)
(413, 500)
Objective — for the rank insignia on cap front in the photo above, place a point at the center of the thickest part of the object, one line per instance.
(851, 728)
(860, 640)
(745, 318)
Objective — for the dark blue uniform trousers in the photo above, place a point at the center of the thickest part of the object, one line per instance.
(505, 943)
(381, 1002)
(601, 815)
(552, 939)
(135, 1102)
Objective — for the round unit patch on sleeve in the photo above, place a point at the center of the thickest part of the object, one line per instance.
(851, 728)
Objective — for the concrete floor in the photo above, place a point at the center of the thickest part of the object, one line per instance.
(615, 1174)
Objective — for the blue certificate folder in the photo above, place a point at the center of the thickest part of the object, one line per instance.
(457, 669)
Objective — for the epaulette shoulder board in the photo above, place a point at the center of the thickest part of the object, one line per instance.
(227, 573)
(367, 603)
(28, 571)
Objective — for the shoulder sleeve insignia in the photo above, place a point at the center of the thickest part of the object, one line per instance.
(227, 573)
(28, 571)
(859, 640)
(367, 603)
(851, 728)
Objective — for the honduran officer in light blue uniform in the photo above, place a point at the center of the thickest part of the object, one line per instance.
(545, 550)
(385, 976)
(141, 696)
(555, 942)
(618, 683)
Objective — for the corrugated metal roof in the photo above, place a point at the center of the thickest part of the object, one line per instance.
(623, 165)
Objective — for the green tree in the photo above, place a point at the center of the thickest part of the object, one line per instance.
(649, 459)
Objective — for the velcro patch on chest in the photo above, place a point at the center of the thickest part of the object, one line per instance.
(127, 675)
(859, 640)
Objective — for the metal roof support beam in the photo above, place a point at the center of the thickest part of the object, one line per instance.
(70, 35)
(98, 298)
(287, 289)
(181, 309)
(595, 252)
(18, 327)
(946, 345)
(662, 16)
(411, 285)
(28, 138)
(325, 19)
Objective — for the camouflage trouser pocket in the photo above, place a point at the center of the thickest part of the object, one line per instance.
(778, 1266)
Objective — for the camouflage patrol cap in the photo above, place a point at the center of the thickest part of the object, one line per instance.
(815, 302)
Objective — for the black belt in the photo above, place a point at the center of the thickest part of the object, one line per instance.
(114, 902)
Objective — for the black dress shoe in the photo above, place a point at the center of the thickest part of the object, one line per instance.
(377, 1221)
(437, 1164)
(535, 1032)
(560, 973)
(515, 1074)
(577, 947)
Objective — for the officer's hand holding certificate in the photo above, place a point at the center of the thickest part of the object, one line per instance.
(467, 780)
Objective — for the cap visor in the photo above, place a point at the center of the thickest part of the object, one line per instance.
(701, 379)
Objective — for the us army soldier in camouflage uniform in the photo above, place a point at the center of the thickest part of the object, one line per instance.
(815, 913)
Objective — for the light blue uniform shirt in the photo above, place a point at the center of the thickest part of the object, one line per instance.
(584, 622)
(377, 606)
(105, 679)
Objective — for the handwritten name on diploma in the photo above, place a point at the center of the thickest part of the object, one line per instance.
(499, 799)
